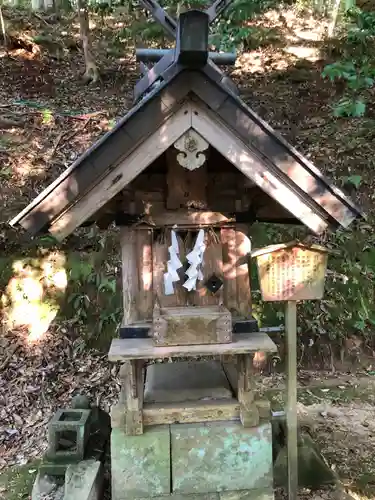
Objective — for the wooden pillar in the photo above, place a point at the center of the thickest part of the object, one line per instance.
(129, 275)
(228, 241)
(243, 249)
(128, 413)
(249, 414)
(145, 301)
(291, 406)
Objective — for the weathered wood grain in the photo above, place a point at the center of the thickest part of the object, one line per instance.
(186, 218)
(145, 300)
(122, 174)
(249, 414)
(191, 412)
(268, 178)
(128, 413)
(129, 275)
(228, 242)
(122, 349)
(185, 189)
(243, 249)
(174, 326)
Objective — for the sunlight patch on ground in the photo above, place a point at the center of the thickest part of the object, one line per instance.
(313, 36)
(258, 62)
(310, 53)
(30, 299)
(357, 496)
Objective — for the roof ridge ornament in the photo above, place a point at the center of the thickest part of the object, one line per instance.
(190, 32)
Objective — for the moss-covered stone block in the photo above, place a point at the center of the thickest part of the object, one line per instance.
(204, 496)
(264, 494)
(140, 465)
(220, 456)
(68, 432)
(313, 471)
(55, 468)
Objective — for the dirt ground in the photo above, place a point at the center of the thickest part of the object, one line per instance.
(55, 118)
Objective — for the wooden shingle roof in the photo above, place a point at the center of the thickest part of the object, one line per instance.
(279, 165)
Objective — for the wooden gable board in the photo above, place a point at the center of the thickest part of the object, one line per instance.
(284, 163)
(255, 168)
(122, 174)
(196, 116)
(114, 146)
(262, 138)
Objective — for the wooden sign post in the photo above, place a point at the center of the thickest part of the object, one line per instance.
(291, 272)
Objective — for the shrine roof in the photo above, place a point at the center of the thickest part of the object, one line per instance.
(282, 164)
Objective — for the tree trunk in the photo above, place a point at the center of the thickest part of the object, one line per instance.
(48, 4)
(37, 4)
(3, 29)
(91, 73)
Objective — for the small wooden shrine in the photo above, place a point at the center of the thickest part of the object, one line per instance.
(184, 174)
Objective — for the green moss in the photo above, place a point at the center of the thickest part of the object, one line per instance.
(17, 482)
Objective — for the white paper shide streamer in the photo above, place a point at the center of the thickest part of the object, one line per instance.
(195, 259)
(173, 264)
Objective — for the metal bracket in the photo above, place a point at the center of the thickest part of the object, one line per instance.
(154, 55)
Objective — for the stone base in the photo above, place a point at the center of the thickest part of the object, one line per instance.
(313, 470)
(140, 465)
(266, 494)
(83, 481)
(186, 381)
(195, 460)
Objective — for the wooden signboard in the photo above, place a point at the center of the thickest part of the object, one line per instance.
(291, 272)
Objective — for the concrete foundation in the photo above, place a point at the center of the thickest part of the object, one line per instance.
(199, 460)
(228, 495)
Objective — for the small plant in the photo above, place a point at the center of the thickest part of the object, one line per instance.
(93, 298)
(354, 180)
(348, 106)
(357, 68)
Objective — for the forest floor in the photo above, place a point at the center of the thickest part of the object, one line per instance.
(48, 117)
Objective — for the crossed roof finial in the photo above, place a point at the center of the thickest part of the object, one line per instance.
(190, 32)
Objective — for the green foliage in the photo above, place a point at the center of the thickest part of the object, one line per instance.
(356, 69)
(93, 299)
(347, 306)
(363, 20)
(347, 106)
(230, 31)
(5, 172)
(47, 116)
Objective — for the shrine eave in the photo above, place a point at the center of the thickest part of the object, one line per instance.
(282, 164)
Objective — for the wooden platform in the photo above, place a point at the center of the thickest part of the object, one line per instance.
(243, 343)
